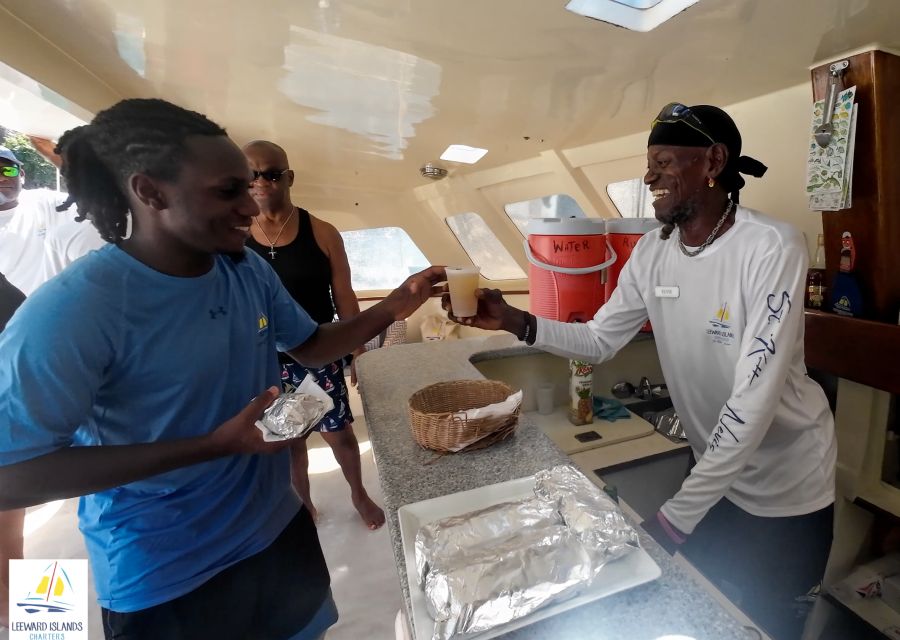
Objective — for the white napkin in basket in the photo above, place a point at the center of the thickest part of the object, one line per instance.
(496, 410)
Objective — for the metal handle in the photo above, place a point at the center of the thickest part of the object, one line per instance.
(829, 103)
(824, 132)
(572, 271)
(836, 70)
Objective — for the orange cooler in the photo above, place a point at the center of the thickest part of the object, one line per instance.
(623, 235)
(568, 257)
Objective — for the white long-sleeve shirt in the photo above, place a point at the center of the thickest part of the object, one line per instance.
(729, 326)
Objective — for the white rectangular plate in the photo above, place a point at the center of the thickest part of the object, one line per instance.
(634, 569)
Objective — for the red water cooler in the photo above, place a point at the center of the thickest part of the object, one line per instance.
(623, 235)
(568, 257)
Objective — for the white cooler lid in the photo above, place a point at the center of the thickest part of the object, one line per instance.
(631, 225)
(566, 226)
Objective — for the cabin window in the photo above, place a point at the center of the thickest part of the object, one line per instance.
(381, 258)
(483, 247)
(632, 198)
(558, 205)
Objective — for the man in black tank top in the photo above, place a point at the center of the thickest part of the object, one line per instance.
(308, 256)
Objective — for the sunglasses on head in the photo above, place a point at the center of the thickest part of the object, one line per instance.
(272, 175)
(677, 112)
(10, 171)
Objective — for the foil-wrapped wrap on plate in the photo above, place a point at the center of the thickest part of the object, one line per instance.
(479, 532)
(588, 512)
(495, 565)
(294, 415)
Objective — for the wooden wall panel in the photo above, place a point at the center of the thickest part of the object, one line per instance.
(874, 218)
(859, 350)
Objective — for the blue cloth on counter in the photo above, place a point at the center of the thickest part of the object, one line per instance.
(609, 409)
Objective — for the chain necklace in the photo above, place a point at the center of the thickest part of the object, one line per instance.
(712, 236)
(273, 242)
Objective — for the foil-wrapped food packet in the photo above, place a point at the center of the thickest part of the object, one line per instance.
(294, 415)
(589, 512)
(486, 568)
(453, 539)
(508, 582)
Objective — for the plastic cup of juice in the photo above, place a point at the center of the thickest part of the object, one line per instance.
(462, 282)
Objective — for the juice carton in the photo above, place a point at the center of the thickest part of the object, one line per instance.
(581, 401)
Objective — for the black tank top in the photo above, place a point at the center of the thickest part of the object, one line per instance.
(304, 269)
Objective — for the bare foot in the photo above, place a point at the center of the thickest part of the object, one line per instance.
(370, 512)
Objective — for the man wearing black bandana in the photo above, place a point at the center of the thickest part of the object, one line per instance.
(723, 288)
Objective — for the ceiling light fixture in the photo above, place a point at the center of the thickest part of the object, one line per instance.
(463, 153)
(637, 15)
(429, 170)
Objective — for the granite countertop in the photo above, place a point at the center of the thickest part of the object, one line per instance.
(675, 604)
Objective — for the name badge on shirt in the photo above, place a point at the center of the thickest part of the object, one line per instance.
(667, 292)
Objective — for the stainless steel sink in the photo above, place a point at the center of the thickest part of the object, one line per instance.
(643, 408)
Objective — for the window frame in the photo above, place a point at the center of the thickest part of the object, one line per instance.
(524, 274)
(370, 229)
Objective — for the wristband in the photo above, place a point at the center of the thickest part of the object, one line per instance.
(676, 536)
(525, 337)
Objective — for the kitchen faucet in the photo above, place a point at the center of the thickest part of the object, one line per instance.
(645, 390)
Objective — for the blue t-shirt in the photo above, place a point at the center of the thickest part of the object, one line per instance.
(112, 352)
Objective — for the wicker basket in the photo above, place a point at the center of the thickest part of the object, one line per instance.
(434, 426)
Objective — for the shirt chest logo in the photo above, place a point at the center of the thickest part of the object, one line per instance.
(719, 330)
(218, 312)
(262, 324)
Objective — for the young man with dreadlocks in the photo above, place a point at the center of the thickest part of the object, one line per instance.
(723, 286)
(135, 377)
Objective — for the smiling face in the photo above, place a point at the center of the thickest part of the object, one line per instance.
(208, 208)
(677, 177)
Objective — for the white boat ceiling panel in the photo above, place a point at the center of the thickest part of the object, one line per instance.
(365, 92)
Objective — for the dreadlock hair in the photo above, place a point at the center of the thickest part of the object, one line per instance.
(133, 136)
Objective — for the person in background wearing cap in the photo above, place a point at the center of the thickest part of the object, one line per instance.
(723, 287)
(25, 217)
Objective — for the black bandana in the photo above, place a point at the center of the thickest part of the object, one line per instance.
(720, 127)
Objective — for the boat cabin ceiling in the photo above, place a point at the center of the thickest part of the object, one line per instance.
(362, 94)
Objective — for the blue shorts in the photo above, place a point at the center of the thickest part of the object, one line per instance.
(331, 379)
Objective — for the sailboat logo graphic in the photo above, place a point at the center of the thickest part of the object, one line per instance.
(53, 593)
(722, 317)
